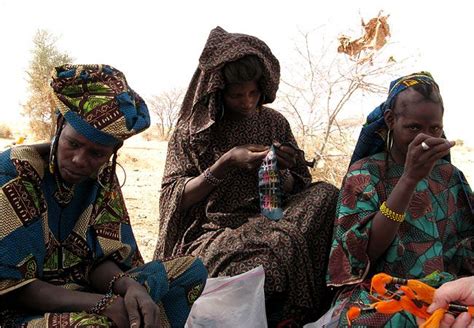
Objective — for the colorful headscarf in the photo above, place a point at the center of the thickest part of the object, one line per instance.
(98, 103)
(373, 134)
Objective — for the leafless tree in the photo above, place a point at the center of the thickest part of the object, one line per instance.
(40, 107)
(166, 107)
(323, 83)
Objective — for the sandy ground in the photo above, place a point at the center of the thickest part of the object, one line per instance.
(143, 162)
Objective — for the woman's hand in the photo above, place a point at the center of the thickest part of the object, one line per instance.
(248, 157)
(422, 154)
(118, 313)
(286, 156)
(142, 311)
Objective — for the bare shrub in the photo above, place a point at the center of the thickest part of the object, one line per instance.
(165, 106)
(5, 131)
(324, 81)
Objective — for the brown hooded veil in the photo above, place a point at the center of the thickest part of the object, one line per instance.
(200, 106)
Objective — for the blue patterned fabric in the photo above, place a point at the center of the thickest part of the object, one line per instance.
(177, 293)
(41, 239)
(88, 130)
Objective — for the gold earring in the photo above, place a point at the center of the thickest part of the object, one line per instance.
(54, 144)
(389, 140)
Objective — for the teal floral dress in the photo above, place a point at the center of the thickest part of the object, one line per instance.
(437, 234)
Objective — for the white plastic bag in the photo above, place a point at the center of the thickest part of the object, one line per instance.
(230, 302)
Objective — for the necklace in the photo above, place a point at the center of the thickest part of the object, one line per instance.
(64, 193)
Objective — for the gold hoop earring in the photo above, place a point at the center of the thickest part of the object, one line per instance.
(389, 140)
(106, 174)
(54, 144)
(52, 155)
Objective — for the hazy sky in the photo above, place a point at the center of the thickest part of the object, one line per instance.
(157, 44)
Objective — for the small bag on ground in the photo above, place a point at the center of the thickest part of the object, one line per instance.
(229, 302)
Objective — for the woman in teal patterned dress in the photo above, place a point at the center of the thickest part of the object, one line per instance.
(404, 209)
(68, 255)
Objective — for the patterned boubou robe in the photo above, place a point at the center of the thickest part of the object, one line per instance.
(41, 240)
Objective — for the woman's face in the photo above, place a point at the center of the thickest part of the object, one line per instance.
(77, 157)
(241, 99)
(411, 116)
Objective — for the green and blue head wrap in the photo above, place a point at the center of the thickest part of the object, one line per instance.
(98, 103)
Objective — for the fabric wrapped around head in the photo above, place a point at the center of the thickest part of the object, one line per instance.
(373, 134)
(199, 109)
(223, 47)
(98, 103)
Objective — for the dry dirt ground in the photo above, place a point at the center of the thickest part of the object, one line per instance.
(143, 162)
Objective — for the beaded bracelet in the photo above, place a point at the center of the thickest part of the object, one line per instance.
(211, 178)
(103, 303)
(117, 277)
(388, 213)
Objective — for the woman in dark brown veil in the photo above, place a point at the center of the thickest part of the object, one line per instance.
(209, 203)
